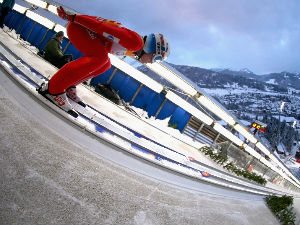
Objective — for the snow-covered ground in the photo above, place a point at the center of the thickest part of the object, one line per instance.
(236, 90)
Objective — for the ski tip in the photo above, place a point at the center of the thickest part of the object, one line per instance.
(73, 113)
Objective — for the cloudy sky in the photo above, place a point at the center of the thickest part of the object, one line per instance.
(261, 35)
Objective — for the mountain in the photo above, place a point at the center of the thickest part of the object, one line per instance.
(243, 72)
(204, 78)
(283, 79)
(249, 96)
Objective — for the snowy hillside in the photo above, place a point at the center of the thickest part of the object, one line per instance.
(249, 96)
(283, 79)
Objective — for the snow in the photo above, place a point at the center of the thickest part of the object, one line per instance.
(237, 90)
(281, 147)
(287, 119)
(271, 81)
(245, 70)
(163, 124)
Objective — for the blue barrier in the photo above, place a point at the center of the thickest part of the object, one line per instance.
(167, 110)
(180, 117)
(103, 78)
(25, 28)
(8, 17)
(128, 88)
(120, 79)
(144, 98)
(13, 19)
(72, 50)
(64, 43)
(37, 35)
(156, 102)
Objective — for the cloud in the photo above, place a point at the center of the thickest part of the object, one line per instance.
(261, 34)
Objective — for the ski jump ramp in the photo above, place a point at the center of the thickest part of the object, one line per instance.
(53, 171)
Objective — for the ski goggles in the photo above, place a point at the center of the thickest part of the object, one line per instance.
(156, 58)
(160, 48)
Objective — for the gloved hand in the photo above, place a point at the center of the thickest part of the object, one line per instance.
(62, 14)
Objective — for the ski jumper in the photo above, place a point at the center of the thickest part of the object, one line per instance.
(95, 37)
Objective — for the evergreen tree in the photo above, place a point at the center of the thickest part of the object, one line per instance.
(287, 134)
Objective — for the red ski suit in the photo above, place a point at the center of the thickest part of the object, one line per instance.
(95, 37)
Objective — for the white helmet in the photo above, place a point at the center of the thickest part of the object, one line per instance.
(158, 44)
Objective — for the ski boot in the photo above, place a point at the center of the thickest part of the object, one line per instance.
(72, 94)
(60, 100)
